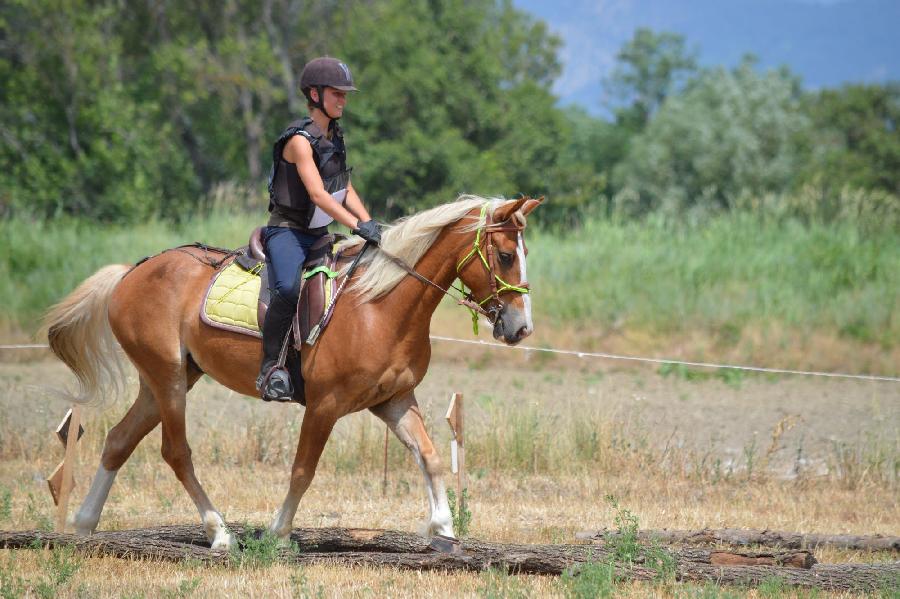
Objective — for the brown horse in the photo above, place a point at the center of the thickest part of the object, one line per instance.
(372, 356)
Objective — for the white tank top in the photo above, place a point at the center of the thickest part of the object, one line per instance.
(320, 218)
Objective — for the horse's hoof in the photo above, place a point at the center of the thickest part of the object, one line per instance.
(82, 529)
(443, 544)
(282, 539)
(224, 540)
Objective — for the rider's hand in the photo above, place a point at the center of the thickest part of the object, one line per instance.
(369, 230)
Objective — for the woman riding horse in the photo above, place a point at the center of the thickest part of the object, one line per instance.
(309, 188)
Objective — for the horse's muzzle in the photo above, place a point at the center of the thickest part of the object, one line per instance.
(511, 325)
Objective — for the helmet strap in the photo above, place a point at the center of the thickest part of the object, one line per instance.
(321, 104)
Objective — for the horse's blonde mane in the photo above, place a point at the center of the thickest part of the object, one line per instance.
(408, 239)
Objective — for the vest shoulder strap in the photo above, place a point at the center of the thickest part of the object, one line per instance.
(295, 128)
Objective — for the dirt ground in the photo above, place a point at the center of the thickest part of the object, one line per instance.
(816, 422)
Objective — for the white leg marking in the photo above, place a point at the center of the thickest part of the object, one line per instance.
(88, 514)
(526, 297)
(439, 520)
(216, 531)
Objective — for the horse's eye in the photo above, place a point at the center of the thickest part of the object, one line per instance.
(506, 259)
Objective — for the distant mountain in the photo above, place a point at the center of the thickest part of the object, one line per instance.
(826, 42)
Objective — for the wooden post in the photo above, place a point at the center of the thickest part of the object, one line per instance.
(457, 448)
(71, 441)
(384, 482)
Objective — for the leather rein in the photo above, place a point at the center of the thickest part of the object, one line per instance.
(483, 237)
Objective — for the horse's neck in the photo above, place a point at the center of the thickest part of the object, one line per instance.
(414, 301)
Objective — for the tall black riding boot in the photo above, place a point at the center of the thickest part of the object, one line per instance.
(274, 383)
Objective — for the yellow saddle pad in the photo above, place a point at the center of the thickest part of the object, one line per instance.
(231, 301)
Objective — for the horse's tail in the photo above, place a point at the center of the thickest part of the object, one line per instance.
(79, 334)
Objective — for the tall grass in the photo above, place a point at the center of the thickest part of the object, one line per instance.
(724, 275)
(42, 261)
(729, 272)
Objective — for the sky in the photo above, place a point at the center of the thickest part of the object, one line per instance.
(827, 42)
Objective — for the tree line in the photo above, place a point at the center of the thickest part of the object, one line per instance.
(120, 111)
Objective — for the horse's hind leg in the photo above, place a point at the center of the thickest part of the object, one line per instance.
(120, 443)
(170, 387)
(402, 416)
(141, 418)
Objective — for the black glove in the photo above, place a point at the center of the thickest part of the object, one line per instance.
(370, 231)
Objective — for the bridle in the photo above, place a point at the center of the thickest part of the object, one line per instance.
(483, 247)
(484, 236)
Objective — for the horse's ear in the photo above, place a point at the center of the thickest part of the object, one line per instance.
(531, 204)
(505, 212)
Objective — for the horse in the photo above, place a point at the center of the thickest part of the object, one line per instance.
(372, 355)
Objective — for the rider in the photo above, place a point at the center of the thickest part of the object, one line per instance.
(309, 187)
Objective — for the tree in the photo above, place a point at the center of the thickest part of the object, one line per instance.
(731, 133)
(455, 98)
(76, 138)
(856, 140)
(649, 67)
(120, 114)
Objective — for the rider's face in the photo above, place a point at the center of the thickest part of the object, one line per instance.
(334, 101)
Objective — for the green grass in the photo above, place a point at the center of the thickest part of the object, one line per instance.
(599, 579)
(42, 261)
(720, 277)
(730, 272)
(58, 567)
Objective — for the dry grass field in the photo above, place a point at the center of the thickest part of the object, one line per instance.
(548, 439)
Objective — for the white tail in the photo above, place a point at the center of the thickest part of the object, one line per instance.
(79, 334)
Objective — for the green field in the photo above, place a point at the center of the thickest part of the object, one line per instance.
(729, 273)
(720, 279)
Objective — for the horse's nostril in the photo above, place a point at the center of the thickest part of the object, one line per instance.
(522, 333)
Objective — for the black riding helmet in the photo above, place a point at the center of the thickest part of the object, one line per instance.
(325, 72)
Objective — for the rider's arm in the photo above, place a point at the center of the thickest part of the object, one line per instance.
(298, 151)
(354, 204)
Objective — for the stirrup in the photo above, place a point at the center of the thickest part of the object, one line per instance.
(275, 385)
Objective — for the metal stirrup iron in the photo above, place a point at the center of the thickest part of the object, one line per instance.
(279, 365)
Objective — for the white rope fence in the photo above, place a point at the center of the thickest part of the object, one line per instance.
(26, 346)
(585, 354)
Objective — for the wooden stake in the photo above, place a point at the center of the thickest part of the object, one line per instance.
(461, 482)
(457, 447)
(68, 466)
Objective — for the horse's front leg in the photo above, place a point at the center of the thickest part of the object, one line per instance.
(314, 433)
(402, 416)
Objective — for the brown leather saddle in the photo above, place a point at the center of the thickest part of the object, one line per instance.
(317, 287)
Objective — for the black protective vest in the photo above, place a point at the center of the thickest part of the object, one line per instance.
(287, 194)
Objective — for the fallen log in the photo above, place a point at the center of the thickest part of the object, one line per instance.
(326, 540)
(766, 538)
(404, 550)
(120, 546)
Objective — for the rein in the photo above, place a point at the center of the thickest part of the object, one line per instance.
(483, 235)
